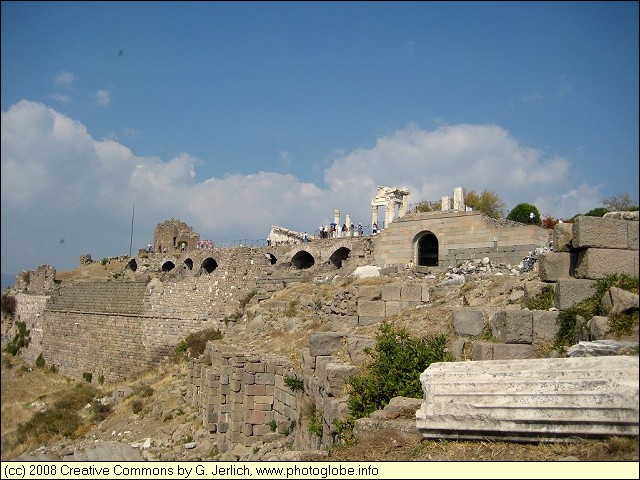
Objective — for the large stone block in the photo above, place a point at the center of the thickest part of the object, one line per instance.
(530, 400)
(544, 325)
(371, 308)
(553, 266)
(562, 235)
(599, 232)
(508, 351)
(597, 263)
(336, 375)
(482, 351)
(356, 347)
(369, 292)
(325, 343)
(468, 321)
(411, 293)
(513, 326)
(391, 292)
(568, 292)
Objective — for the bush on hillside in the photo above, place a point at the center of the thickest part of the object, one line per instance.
(398, 362)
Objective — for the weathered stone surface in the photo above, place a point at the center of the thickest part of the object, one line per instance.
(513, 326)
(568, 292)
(552, 266)
(599, 232)
(547, 400)
(325, 343)
(544, 325)
(562, 235)
(468, 321)
(617, 300)
(597, 263)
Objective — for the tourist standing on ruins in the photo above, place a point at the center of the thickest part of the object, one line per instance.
(374, 228)
(353, 229)
(344, 230)
(359, 229)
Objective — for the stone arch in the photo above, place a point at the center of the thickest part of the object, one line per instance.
(339, 256)
(209, 265)
(427, 249)
(188, 264)
(132, 265)
(303, 260)
(168, 266)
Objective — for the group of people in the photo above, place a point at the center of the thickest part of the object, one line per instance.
(204, 245)
(335, 231)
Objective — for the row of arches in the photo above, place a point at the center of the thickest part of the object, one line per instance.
(208, 265)
(426, 254)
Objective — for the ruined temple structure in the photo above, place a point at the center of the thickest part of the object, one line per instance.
(391, 199)
(174, 235)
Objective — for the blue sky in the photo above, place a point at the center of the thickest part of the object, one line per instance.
(236, 116)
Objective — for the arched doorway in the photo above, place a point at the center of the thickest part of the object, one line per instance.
(427, 250)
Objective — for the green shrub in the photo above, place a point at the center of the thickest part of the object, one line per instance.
(137, 405)
(291, 309)
(398, 361)
(315, 424)
(572, 320)
(273, 425)
(100, 410)
(20, 340)
(195, 343)
(623, 323)
(543, 300)
(40, 363)
(294, 383)
(87, 376)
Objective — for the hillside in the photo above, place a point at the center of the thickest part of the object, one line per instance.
(155, 412)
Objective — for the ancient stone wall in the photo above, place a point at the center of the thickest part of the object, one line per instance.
(243, 396)
(42, 280)
(120, 327)
(461, 236)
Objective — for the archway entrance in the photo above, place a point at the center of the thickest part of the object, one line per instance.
(428, 250)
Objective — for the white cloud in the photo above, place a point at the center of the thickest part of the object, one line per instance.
(61, 98)
(103, 97)
(64, 79)
(59, 182)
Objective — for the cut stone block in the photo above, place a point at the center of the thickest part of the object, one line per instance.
(548, 400)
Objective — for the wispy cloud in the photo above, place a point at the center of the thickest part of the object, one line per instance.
(64, 79)
(102, 97)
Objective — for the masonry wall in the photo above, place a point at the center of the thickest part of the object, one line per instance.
(243, 397)
(461, 236)
(121, 327)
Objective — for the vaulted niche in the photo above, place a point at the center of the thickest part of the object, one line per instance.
(339, 255)
(302, 260)
(133, 265)
(188, 264)
(271, 258)
(168, 266)
(209, 265)
(427, 250)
